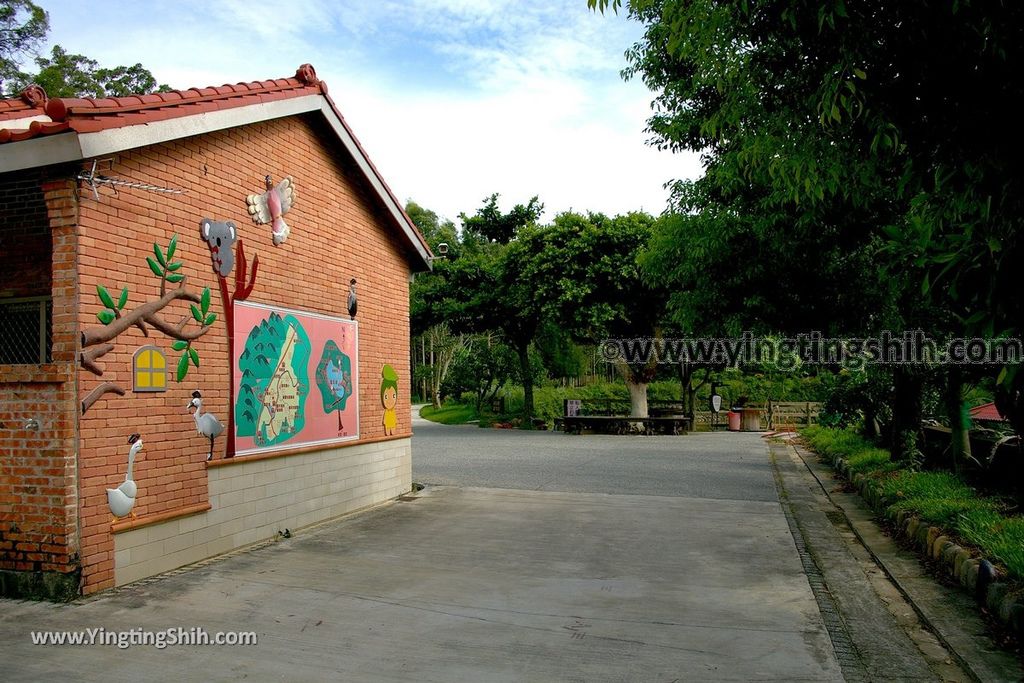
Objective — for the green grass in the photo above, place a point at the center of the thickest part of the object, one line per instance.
(938, 498)
(450, 414)
(861, 455)
(1002, 537)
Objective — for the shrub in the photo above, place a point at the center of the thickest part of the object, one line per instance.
(938, 498)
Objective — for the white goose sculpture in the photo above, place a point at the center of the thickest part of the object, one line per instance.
(122, 499)
(206, 424)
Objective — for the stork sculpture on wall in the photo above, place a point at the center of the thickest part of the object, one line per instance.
(206, 423)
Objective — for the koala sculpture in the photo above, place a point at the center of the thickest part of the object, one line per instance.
(221, 236)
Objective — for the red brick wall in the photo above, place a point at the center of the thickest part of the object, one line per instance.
(338, 231)
(38, 478)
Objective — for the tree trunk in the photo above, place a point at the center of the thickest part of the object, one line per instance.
(685, 392)
(870, 427)
(526, 376)
(960, 437)
(637, 397)
(906, 415)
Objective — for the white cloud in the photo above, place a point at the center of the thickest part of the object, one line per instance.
(453, 99)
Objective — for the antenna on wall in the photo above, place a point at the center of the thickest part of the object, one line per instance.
(94, 180)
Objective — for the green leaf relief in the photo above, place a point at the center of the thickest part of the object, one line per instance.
(205, 304)
(176, 277)
(159, 254)
(194, 355)
(172, 246)
(155, 267)
(210, 319)
(123, 298)
(179, 345)
(105, 296)
(106, 317)
(196, 314)
(182, 366)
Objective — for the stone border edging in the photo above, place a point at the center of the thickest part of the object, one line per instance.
(977, 576)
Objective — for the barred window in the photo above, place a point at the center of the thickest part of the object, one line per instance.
(26, 331)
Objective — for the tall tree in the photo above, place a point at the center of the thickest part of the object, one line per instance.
(492, 225)
(584, 268)
(23, 28)
(484, 288)
(435, 230)
(70, 75)
(877, 114)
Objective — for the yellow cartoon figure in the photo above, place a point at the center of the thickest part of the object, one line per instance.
(389, 397)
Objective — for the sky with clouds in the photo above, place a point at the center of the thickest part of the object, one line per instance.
(452, 99)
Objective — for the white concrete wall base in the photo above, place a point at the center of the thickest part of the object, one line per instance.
(252, 501)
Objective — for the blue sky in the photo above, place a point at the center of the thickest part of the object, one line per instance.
(452, 99)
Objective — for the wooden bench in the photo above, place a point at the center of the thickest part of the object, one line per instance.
(623, 424)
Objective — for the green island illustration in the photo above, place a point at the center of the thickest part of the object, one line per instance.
(271, 402)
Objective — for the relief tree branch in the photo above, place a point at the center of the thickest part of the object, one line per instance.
(176, 331)
(95, 394)
(144, 313)
(88, 358)
(96, 341)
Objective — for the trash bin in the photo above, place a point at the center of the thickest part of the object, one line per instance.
(751, 419)
(734, 421)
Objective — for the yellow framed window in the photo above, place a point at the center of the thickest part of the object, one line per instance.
(149, 368)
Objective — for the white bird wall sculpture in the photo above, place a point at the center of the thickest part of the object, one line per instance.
(272, 205)
(122, 499)
(206, 423)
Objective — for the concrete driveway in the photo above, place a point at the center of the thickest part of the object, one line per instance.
(698, 582)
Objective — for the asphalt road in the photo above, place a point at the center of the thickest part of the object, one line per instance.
(720, 465)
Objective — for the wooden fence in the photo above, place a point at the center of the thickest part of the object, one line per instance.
(781, 416)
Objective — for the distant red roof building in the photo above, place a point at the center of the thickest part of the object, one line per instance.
(986, 412)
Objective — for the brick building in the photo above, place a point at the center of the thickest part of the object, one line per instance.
(132, 247)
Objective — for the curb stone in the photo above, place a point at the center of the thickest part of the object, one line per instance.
(977, 576)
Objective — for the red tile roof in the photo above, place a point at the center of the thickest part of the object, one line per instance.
(86, 115)
(986, 411)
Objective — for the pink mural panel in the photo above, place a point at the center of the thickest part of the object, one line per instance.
(296, 379)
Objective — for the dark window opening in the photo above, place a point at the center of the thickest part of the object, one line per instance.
(26, 256)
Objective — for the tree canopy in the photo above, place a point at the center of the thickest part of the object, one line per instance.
(854, 156)
(23, 29)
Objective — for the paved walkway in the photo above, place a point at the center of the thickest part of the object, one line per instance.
(555, 558)
(474, 585)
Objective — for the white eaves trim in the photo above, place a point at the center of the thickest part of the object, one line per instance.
(71, 146)
(64, 147)
(130, 137)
